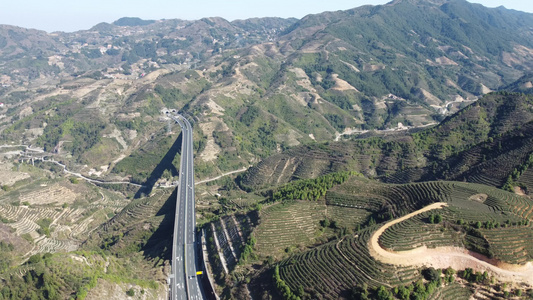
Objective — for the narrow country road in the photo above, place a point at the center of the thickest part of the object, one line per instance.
(444, 257)
(83, 177)
(220, 176)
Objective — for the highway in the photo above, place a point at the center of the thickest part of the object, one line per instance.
(184, 284)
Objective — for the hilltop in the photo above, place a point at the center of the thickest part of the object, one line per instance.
(132, 22)
(523, 85)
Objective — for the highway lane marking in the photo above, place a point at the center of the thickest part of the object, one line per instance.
(188, 209)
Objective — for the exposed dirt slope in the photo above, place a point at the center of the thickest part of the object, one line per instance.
(444, 257)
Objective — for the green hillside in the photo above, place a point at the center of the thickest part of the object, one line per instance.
(522, 85)
(333, 269)
(484, 143)
(261, 86)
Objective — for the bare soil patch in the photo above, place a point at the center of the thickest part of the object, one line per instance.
(8, 176)
(215, 108)
(444, 61)
(212, 150)
(116, 134)
(109, 290)
(7, 236)
(478, 197)
(341, 85)
(430, 98)
(519, 191)
(53, 194)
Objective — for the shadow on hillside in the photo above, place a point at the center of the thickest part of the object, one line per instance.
(160, 243)
(164, 164)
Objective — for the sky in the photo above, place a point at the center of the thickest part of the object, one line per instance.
(72, 15)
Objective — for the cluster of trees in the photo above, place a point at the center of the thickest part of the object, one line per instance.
(84, 136)
(341, 99)
(146, 49)
(6, 258)
(3, 42)
(491, 224)
(517, 172)
(61, 124)
(142, 162)
(38, 283)
(336, 121)
(416, 290)
(44, 226)
(328, 223)
(223, 138)
(257, 132)
(61, 113)
(376, 84)
(247, 250)
(92, 53)
(310, 189)
(173, 45)
(127, 21)
(249, 116)
(171, 96)
(435, 218)
(478, 277)
(3, 219)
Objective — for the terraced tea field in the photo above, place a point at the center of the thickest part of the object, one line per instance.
(398, 199)
(452, 291)
(54, 194)
(444, 257)
(334, 268)
(226, 238)
(348, 217)
(229, 242)
(285, 225)
(494, 171)
(72, 211)
(487, 162)
(527, 179)
(416, 232)
(511, 244)
(310, 161)
(68, 225)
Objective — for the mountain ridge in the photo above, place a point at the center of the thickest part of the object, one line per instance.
(345, 71)
(471, 138)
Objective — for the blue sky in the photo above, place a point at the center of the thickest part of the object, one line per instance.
(72, 15)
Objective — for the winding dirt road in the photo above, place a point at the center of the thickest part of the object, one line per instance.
(444, 257)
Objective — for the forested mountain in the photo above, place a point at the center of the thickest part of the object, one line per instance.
(483, 143)
(408, 44)
(259, 86)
